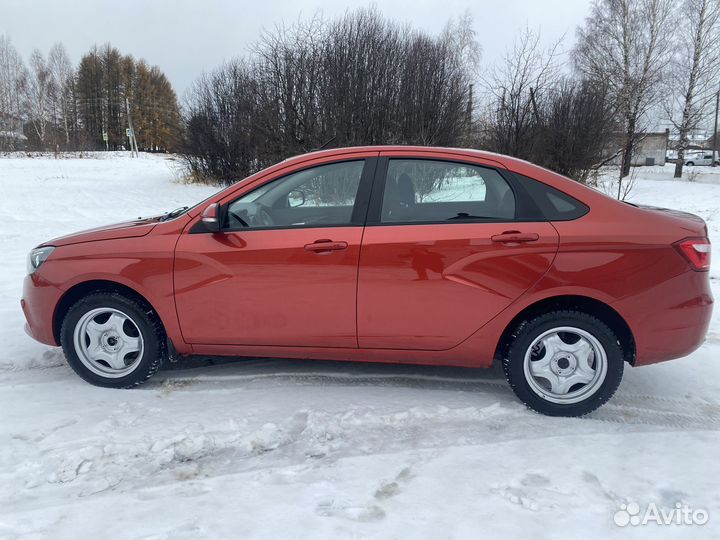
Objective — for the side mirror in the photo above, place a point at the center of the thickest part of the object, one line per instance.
(210, 217)
(296, 198)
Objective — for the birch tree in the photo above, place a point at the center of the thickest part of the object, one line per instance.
(62, 76)
(13, 77)
(626, 43)
(693, 74)
(37, 95)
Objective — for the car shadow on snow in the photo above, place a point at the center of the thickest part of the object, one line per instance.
(326, 372)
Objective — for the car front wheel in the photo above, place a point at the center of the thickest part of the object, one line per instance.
(564, 363)
(112, 340)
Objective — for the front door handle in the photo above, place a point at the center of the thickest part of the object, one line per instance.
(325, 246)
(514, 237)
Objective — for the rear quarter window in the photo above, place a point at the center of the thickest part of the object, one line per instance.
(552, 204)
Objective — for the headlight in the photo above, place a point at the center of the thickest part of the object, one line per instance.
(37, 257)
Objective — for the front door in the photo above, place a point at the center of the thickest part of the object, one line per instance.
(284, 270)
(445, 254)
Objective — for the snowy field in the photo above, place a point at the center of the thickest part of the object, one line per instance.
(278, 449)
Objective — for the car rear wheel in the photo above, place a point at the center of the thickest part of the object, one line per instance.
(111, 340)
(564, 363)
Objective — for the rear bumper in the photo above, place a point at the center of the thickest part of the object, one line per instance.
(670, 320)
(38, 304)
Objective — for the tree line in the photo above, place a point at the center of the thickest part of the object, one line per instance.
(357, 80)
(363, 79)
(60, 106)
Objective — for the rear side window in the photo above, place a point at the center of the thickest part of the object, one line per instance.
(553, 205)
(429, 191)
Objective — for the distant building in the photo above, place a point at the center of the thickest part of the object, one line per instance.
(649, 150)
(11, 132)
(698, 139)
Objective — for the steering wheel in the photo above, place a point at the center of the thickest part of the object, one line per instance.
(262, 218)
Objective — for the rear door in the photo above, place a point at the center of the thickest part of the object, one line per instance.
(443, 252)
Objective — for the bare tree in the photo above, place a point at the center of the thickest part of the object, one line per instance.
(13, 77)
(577, 123)
(460, 34)
(515, 86)
(358, 79)
(37, 95)
(693, 73)
(62, 75)
(626, 44)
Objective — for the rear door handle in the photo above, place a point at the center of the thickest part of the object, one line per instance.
(325, 246)
(514, 237)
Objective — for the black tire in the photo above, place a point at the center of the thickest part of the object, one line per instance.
(690, 164)
(528, 331)
(147, 323)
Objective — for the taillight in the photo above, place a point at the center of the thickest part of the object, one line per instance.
(696, 251)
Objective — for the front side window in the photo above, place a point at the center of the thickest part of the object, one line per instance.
(419, 190)
(319, 196)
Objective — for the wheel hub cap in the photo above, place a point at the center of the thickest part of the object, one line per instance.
(565, 365)
(108, 342)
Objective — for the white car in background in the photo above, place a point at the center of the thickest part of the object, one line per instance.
(702, 158)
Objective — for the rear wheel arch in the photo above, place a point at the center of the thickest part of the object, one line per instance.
(83, 289)
(584, 304)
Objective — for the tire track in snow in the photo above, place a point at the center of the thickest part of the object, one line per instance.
(684, 414)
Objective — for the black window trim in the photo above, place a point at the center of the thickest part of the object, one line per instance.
(367, 209)
(358, 215)
(522, 197)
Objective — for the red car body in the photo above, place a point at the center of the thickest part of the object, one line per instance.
(427, 294)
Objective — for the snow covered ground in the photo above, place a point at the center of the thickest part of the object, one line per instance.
(270, 449)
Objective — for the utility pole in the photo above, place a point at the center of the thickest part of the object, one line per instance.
(131, 131)
(715, 134)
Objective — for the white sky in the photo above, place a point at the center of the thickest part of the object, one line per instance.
(187, 37)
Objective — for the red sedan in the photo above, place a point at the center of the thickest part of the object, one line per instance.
(386, 254)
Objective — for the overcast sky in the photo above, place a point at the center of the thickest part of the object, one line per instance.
(187, 37)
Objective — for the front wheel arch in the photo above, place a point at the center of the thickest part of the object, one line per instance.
(585, 304)
(81, 290)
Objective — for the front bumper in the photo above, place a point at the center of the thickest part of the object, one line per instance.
(39, 300)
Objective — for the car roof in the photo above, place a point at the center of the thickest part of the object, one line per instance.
(399, 148)
(519, 165)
